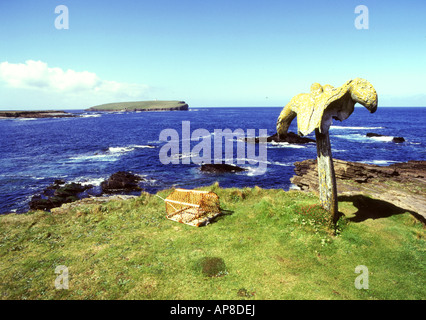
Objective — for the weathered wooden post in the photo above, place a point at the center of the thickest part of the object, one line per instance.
(315, 111)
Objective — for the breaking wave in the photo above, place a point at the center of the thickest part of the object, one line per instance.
(379, 162)
(355, 128)
(274, 144)
(363, 137)
(111, 154)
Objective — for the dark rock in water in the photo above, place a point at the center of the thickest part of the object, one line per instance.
(372, 134)
(289, 137)
(70, 190)
(395, 139)
(50, 190)
(57, 194)
(121, 181)
(220, 168)
(401, 184)
(398, 139)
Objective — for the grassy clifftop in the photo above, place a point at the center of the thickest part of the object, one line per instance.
(141, 106)
(269, 244)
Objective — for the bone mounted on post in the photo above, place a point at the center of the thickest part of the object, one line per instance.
(315, 112)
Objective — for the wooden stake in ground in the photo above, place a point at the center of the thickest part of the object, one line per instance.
(315, 111)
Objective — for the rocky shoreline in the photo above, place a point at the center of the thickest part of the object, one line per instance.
(60, 192)
(399, 187)
(111, 107)
(120, 184)
(401, 184)
(35, 114)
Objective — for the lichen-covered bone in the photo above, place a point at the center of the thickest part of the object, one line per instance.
(315, 110)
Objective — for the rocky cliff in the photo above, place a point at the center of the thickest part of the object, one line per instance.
(401, 184)
(35, 114)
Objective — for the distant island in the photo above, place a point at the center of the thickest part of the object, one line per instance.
(118, 106)
(35, 114)
(141, 106)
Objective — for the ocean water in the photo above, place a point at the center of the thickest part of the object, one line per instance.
(89, 148)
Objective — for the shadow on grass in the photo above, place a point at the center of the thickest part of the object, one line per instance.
(222, 215)
(369, 208)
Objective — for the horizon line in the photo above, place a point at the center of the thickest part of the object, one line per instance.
(85, 109)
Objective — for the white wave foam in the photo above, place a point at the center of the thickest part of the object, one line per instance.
(112, 154)
(274, 144)
(255, 171)
(199, 138)
(142, 146)
(354, 128)
(364, 138)
(285, 164)
(355, 136)
(87, 115)
(383, 138)
(95, 157)
(154, 142)
(120, 149)
(241, 161)
(294, 187)
(128, 148)
(379, 162)
(185, 155)
(247, 160)
(89, 181)
(200, 109)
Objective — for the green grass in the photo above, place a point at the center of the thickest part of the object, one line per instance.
(270, 244)
(139, 105)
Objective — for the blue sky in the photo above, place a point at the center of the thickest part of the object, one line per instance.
(207, 52)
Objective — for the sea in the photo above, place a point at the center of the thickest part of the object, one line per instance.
(88, 148)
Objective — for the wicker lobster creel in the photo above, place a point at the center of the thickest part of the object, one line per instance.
(192, 207)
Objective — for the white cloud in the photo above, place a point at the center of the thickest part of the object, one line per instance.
(37, 75)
